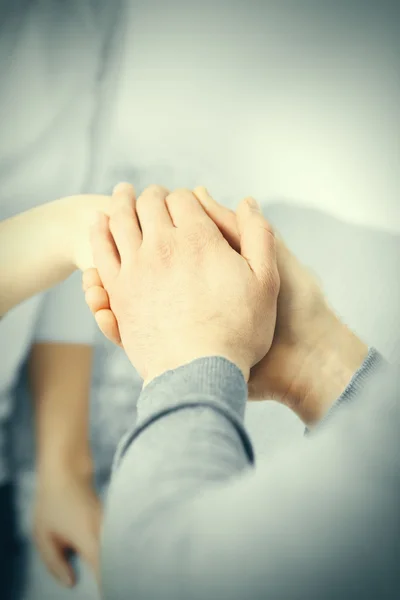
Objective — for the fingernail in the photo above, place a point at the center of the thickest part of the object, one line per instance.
(253, 204)
(201, 190)
(123, 187)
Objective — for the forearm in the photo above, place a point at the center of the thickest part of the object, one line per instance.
(60, 385)
(38, 247)
(179, 523)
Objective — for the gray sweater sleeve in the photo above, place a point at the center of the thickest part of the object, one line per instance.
(189, 518)
(372, 365)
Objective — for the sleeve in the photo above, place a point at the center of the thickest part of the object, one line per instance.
(361, 379)
(65, 317)
(188, 517)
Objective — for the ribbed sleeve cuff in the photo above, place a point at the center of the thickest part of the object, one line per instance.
(212, 382)
(373, 363)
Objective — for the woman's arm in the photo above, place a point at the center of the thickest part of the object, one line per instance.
(43, 246)
(67, 510)
(59, 380)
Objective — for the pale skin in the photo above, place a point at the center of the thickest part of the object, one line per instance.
(197, 519)
(56, 234)
(307, 363)
(165, 238)
(313, 355)
(67, 511)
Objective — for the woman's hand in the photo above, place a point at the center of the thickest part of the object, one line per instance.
(67, 520)
(78, 213)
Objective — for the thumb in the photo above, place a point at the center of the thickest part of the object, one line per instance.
(54, 555)
(257, 240)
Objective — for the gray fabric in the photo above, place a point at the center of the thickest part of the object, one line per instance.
(373, 362)
(188, 518)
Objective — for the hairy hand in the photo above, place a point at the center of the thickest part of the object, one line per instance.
(170, 274)
(313, 355)
(307, 334)
(300, 315)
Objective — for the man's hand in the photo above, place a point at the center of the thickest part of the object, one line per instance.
(313, 355)
(67, 520)
(301, 307)
(170, 276)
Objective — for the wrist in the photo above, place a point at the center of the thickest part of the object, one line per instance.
(74, 464)
(79, 213)
(326, 368)
(64, 220)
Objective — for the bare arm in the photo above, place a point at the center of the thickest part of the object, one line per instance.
(67, 512)
(43, 246)
(59, 377)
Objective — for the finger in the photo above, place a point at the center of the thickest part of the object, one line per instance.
(124, 226)
(97, 299)
(185, 209)
(152, 210)
(91, 278)
(105, 253)
(257, 240)
(99, 303)
(54, 557)
(124, 188)
(224, 218)
(108, 325)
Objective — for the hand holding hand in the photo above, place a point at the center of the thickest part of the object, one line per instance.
(170, 274)
(313, 355)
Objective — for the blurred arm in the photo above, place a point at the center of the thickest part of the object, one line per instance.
(60, 377)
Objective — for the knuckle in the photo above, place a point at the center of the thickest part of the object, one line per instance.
(264, 225)
(179, 194)
(201, 190)
(154, 190)
(121, 216)
(182, 192)
(272, 282)
(164, 251)
(125, 211)
(197, 237)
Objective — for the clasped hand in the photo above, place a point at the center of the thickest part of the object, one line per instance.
(177, 288)
(180, 276)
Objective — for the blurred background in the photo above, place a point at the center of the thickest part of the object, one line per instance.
(295, 103)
